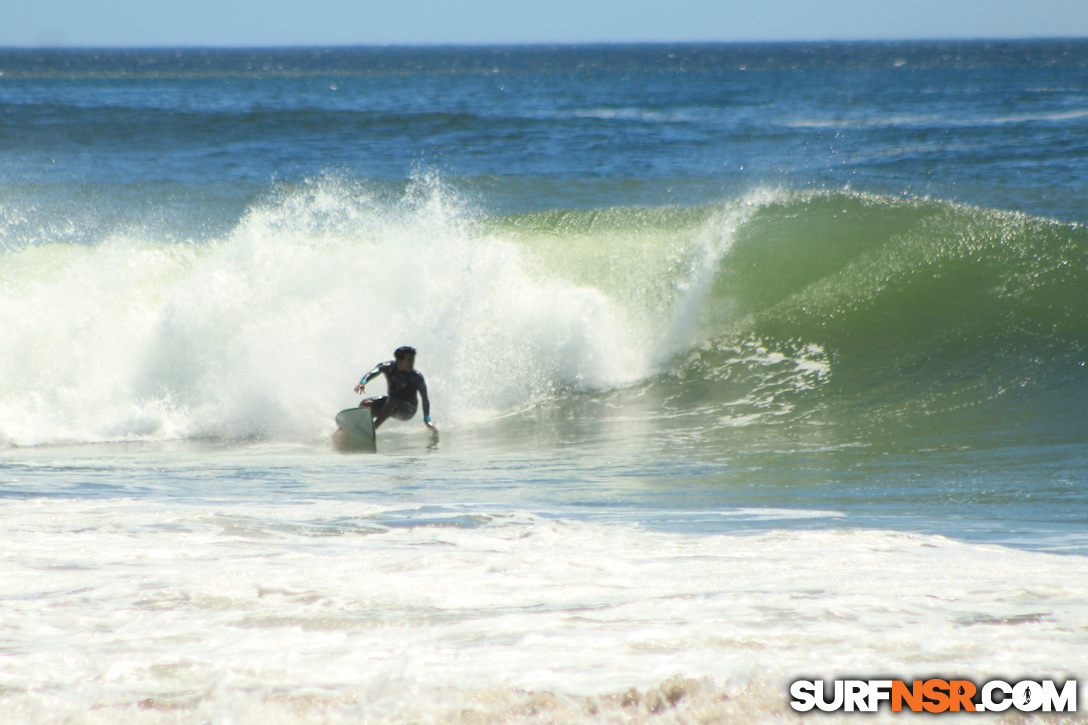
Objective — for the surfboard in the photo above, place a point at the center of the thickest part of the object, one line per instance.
(355, 430)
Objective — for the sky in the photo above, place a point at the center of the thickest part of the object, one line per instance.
(241, 23)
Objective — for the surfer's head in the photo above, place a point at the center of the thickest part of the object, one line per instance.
(405, 357)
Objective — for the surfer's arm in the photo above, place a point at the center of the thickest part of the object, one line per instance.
(361, 387)
(426, 403)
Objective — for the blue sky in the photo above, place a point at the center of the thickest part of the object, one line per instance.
(385, 22)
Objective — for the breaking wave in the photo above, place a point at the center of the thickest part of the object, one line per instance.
(775, 307)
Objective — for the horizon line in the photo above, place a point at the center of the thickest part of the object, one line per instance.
(545, 44)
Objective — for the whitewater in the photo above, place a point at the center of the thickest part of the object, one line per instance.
(255, 335)
(753, 364)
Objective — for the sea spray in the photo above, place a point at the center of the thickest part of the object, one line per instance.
(262, 332)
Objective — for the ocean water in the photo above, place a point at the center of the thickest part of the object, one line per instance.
(752, 363)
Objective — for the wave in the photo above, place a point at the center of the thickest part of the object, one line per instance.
(930, 121)
(921, 305)
(264, 332)
(778, 307)
(850, 308)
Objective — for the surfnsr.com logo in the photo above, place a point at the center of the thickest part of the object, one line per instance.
(934, 695)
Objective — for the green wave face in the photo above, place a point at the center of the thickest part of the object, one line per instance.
(924, 308)
(867, 314)
(854, 271)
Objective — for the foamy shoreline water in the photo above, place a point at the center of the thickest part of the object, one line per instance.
(311, 611)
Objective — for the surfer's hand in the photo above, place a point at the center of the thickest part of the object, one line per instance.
(360, 388)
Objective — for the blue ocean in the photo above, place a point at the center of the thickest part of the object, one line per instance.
(752, 362)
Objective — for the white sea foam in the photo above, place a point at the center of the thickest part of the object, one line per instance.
(933, 119)
(133, 611)
(264, 333)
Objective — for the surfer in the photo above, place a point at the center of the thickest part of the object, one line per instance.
(403, 382)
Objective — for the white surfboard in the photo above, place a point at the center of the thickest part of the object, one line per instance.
(355, 430)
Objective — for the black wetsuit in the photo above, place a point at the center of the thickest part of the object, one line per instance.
(401, 401)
